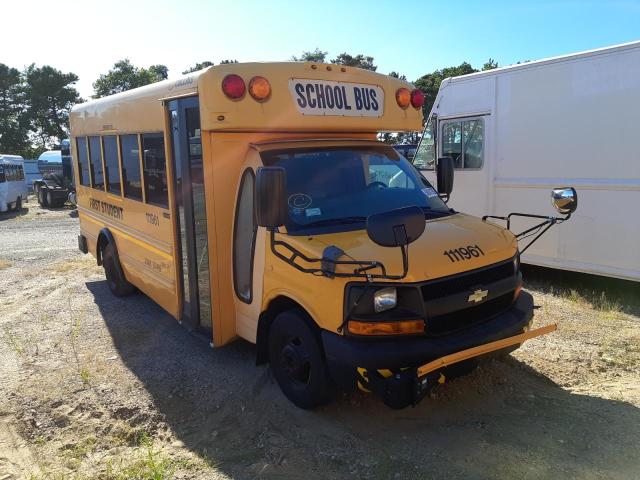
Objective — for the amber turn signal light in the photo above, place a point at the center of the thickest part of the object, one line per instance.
(259, 89)
(403, 97)
(404, 327)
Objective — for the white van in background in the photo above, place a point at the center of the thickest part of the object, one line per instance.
(13, 187)
(516, 132)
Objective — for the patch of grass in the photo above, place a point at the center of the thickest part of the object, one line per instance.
(85, 375)
(125, 434)
(4, 264)
(13, 341)
(149, 464)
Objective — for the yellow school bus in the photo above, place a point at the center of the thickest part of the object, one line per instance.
(254, 201)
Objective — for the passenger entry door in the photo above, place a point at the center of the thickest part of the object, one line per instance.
(191, 213)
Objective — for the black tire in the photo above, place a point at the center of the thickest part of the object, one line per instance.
(118, 285)
(42, 197)
(18, 206)
(50, 201)
(297, 361)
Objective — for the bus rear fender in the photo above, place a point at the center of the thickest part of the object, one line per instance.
(276, 306)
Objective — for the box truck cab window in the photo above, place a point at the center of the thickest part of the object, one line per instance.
(464, 142)
(338, 188)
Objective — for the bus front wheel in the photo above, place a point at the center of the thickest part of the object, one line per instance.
(297, 361)
(118, 285)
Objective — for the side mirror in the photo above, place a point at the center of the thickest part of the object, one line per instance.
(270, 201)
(396, 228)
(564, 200)
(444, 175)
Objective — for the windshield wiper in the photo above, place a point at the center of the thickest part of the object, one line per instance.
(334, 221)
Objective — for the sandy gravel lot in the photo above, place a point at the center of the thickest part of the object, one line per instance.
(92, 386)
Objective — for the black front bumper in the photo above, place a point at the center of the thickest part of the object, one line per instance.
(347, 355)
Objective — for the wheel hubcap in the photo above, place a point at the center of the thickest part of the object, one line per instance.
(295, 361)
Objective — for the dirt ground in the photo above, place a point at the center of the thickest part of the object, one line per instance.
(93, 386)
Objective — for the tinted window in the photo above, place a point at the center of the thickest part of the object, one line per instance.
(155, 169)
(112, 173)
(244, 238)
(95, 160)
(336, 189)
(3, 175)
(131, 167)
(83, 161)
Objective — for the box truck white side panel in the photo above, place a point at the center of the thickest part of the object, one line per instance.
(568, 122)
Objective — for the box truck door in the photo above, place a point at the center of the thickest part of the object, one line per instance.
(464, 140)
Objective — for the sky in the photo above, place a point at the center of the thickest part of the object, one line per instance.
(411, 37)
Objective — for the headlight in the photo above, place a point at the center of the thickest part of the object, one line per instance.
(385, 299)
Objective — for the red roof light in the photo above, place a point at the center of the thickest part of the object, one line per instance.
(233, 86)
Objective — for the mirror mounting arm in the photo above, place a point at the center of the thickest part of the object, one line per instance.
(547, 223)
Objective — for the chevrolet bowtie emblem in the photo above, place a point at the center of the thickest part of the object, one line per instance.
(478, 296)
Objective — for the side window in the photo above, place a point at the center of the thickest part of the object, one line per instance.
(131, 167)
(111, 164)
(155, 169)
(20, 172)
(244, 236)
(464, 142)
(3, 175)
(95, 160)
(83, 161)
(473, 143)
(452, 142)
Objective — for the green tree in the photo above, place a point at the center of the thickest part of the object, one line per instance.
(317, 56)
(198, 66)
(398, 76)
(14, 126)
(490, 65)
(49, 96)
(359, 61)
(125, 76)
(430, 83)
(226, 62)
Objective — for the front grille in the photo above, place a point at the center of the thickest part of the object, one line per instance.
(466, 281)
(467, 317)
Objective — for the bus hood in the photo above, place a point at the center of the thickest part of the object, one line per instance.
(428, 257)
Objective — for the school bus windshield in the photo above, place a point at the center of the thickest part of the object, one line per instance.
(337, 188)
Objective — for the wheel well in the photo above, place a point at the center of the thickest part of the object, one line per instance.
(102, 242)
(276, 306)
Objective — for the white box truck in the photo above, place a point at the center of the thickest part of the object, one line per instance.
(518, 131)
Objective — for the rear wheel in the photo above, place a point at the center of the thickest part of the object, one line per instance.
(42, 197)
(50, 200)
(297, 361)
(118, 285)
(19, 204)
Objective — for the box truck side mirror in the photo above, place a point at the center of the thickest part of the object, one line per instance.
(564, 200)
(444, 175)
(271, 197)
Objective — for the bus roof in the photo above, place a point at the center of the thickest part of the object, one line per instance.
(141, 109)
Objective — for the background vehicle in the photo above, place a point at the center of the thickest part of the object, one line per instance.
(407, 150)
(13, 188)
(53, 189)
(515, 132)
